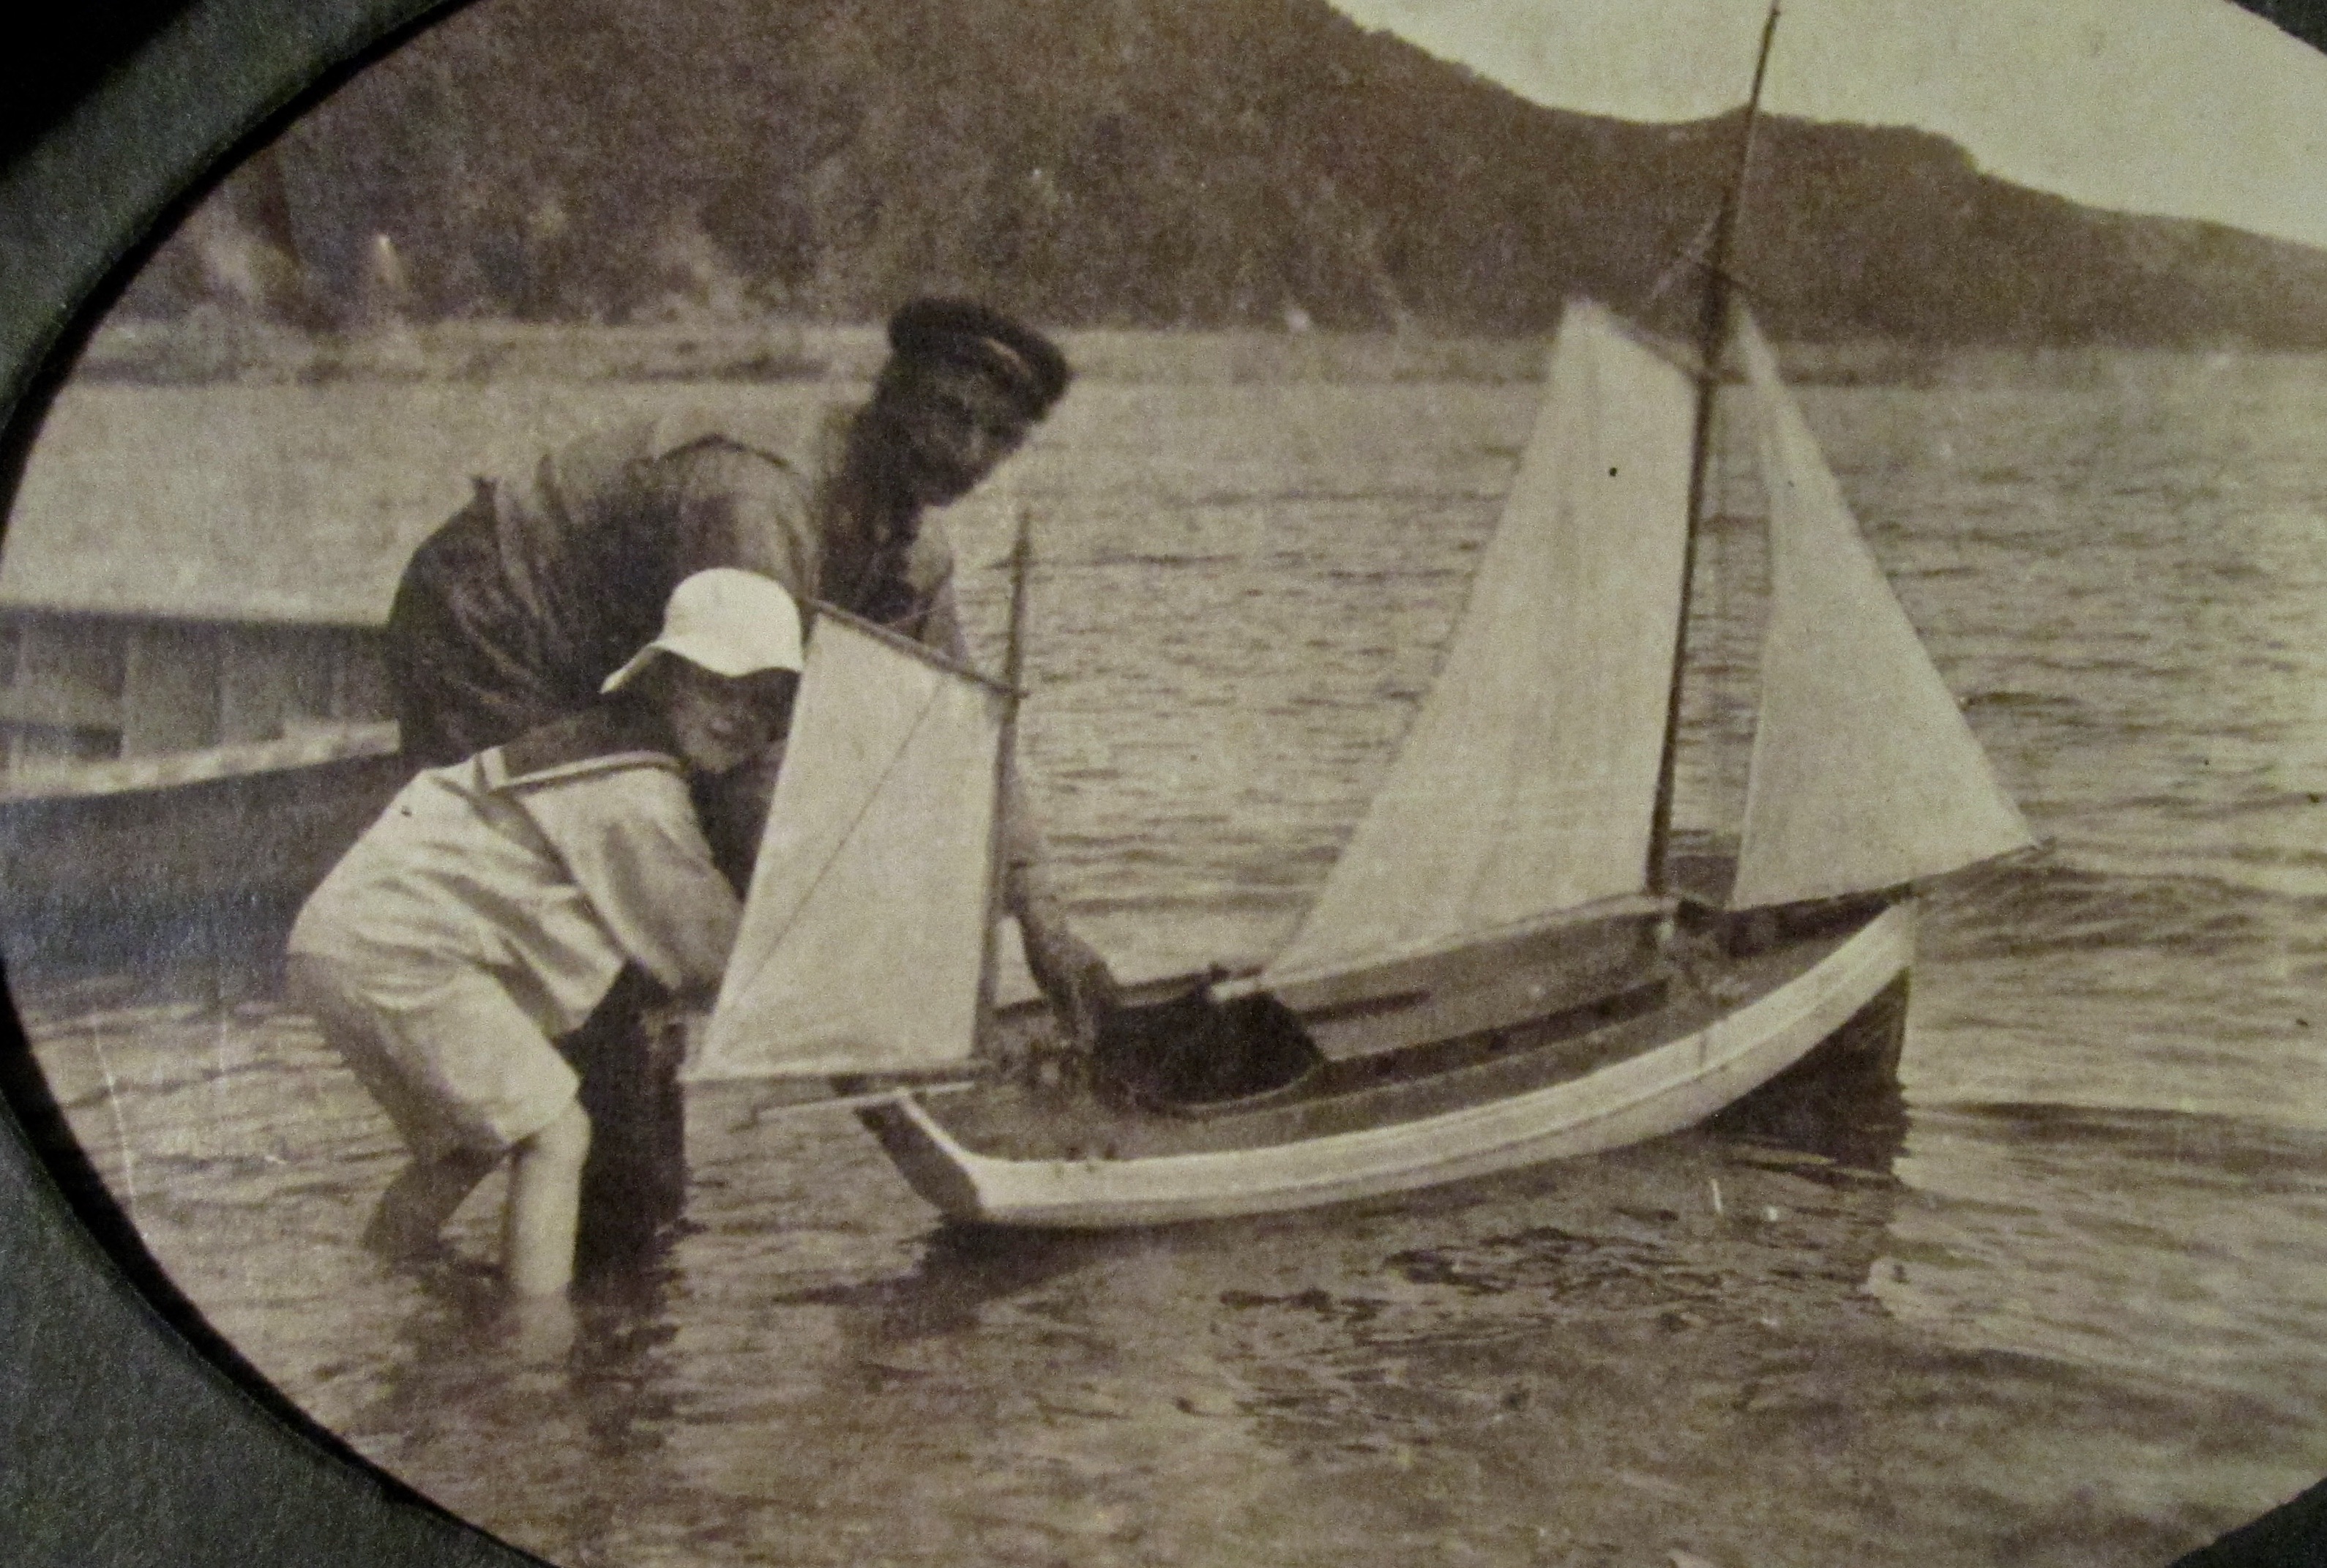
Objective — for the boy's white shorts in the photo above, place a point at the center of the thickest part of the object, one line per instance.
(443, 1048)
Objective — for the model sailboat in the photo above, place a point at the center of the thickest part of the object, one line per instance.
(1495, 973)
(1499, 969)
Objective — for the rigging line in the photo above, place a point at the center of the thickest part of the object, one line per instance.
(1690, 255)
(1006, 773)
(1696, 257)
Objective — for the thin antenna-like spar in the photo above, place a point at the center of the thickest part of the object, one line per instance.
(1005, 771)
(1711, 330)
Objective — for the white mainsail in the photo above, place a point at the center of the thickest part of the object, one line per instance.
(1863, 773)
(863, 936)
(1526, 783)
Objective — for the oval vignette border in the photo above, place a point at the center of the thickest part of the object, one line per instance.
(129, 1431)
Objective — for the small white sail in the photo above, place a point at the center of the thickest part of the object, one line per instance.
(1527, 782)
(863, 936)
(1863, 773)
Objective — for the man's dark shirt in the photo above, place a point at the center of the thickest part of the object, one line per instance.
(513, 612)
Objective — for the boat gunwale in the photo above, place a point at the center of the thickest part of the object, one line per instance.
(1498, 1133)
(64, 783)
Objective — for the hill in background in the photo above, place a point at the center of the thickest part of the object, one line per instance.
(1130, 163)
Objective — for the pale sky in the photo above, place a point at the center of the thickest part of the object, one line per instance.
(2193, 108)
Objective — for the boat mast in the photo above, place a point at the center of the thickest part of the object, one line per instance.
(1005, 771)
(1713, 323)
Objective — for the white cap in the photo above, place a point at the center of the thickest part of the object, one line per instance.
(727, 620)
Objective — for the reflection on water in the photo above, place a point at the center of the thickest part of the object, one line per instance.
(962, 1268)
(2074, 1323)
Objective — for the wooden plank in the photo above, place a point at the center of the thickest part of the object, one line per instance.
(313, 678)
(11, 641)
(41, 750)
(170, 690)
(359, 676)
(306, 753)
(72, 663)
(1554, 974)
(64, 690)
(59, 707)
(259, 671)
(1426, 964)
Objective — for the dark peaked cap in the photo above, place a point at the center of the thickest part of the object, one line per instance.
(964, 333)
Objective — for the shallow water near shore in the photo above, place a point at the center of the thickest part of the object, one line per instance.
(2073, 1322)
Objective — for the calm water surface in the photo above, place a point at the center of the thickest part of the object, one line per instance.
(2077, 1318)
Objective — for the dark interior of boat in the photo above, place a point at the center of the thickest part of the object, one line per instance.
(1189, 1052)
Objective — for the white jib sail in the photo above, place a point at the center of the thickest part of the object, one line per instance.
(1863, 772)
(863, 934)
(1526, 783)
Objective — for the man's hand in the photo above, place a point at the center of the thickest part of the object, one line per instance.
(670, 1029)
(1081, 987)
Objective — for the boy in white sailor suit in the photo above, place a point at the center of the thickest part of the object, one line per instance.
(493, 904)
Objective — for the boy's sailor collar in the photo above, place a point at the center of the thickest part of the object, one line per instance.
(608, 735)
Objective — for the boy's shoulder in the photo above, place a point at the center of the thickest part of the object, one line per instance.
(605, 737)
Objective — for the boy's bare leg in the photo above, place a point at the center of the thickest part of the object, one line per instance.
(421, 1199)
(545, 1206)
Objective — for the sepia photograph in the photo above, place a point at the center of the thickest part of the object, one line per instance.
(1186, 782)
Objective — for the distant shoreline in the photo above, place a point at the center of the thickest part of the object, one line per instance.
(210, 347)
(213, 348)
(222, 350)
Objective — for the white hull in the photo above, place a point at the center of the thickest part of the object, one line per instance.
(1673, 1085)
